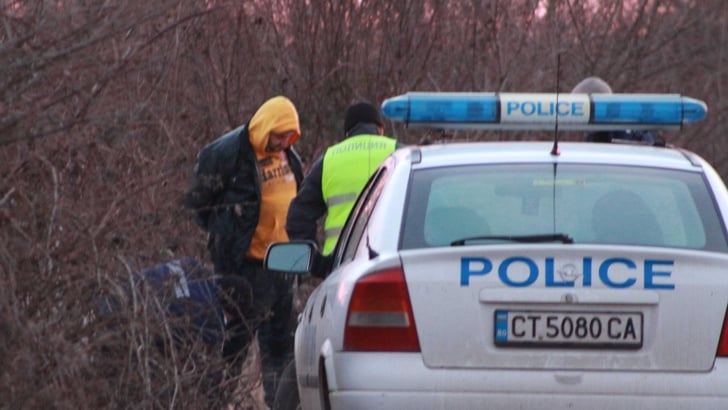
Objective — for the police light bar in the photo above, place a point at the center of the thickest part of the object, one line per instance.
(544, 111)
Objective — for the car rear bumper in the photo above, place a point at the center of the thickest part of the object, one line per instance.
(464, 401)
(401, 381)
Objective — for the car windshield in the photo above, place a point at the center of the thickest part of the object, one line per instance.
(527, 203)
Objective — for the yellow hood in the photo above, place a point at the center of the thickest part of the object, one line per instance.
(278, 115)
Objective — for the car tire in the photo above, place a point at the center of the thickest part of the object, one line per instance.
(287, 392)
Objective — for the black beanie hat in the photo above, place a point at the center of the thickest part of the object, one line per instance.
(361, 112)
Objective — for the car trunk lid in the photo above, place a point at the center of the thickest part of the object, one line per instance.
(552, 306)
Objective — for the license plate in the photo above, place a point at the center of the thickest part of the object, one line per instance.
(568, 329)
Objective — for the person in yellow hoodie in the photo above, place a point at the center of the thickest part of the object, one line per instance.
(241, 188)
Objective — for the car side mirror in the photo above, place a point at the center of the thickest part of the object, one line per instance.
(297, 257)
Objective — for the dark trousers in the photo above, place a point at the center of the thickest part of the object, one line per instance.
(272, 317)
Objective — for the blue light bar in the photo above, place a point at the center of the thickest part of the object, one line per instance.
(544, 110)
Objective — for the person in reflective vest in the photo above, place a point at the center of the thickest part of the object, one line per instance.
(337, 177)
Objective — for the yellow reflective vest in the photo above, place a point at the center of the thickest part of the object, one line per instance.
(346, 168)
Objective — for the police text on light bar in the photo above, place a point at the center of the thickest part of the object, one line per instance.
(544, 110)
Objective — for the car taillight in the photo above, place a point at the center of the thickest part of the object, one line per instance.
(723, 343)
(380, 315)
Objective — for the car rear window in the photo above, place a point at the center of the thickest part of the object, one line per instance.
(597, 204)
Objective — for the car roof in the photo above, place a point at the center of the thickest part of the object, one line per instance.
(469, 153)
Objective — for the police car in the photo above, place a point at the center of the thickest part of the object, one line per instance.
(523, 275)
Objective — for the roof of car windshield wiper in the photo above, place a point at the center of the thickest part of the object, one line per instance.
(553, 237)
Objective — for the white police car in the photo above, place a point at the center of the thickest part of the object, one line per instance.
(524, 275)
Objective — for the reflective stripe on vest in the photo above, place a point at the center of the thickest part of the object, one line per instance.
(346, 168)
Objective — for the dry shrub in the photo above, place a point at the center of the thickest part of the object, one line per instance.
(76, 218)
(72, 354)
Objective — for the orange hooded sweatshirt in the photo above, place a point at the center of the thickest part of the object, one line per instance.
(277, 181)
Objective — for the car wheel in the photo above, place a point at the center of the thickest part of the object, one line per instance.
(287, 392)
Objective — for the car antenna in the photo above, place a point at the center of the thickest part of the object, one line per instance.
(555, 150)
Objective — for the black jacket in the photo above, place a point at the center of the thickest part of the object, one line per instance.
(226, 194)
